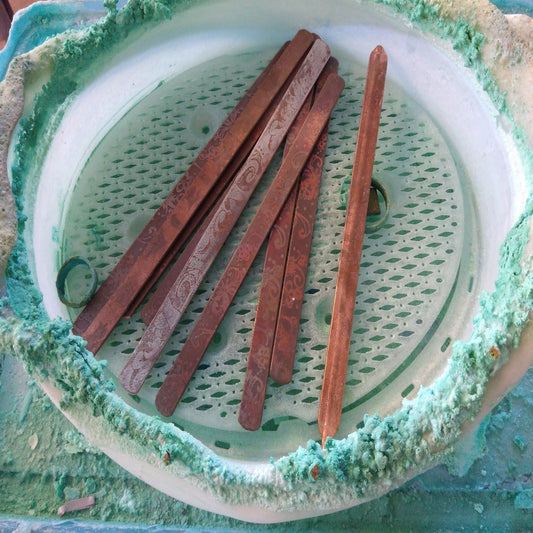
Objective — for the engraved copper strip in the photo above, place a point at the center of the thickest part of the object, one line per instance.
(255, 380)
(152, 305)
(204, 329)
(266, 318)
(211, 241)
(290, 308)
(100, 316)
(213, 195)
(330, 409)
(155, 301)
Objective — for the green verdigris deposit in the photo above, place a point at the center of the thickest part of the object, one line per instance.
(379, 455)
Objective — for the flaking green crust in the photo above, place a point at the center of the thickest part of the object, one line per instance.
(380, 455)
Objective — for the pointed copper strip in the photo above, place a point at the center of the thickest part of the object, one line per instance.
(266, 318)
(152, 305)
(109, 304)
(290, 308)
(210, 199)
(209, 320)
(235, 198)
(329, 414)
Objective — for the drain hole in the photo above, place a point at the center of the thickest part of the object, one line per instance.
(323, 314)
(219, 341)
(378, 207)
(445, 344)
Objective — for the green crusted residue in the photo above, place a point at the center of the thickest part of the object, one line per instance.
(50, 353)
(380, 454)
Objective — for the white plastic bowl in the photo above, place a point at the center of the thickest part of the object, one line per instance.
(440, 74)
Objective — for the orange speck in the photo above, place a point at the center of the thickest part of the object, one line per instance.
(314, 472)
(494, 352)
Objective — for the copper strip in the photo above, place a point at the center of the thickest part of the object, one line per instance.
(152, 305)
(255, 380)
(235, 198)
(266, 318)
(109, 304)
(213, 195)
(352, 244)
(209, 320)
(373, 202)
(290, 308)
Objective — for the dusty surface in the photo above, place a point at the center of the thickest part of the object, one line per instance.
(44, 462)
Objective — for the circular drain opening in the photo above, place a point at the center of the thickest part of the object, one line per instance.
(415, 261)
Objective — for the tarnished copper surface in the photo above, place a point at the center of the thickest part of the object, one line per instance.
(352, 244)
(152, 305)
(256, 377)
(290, 308)
(223, 220)
(215, 193)
(136, 266)
(209, 320)
(266, 318)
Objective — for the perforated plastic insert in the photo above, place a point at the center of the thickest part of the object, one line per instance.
(416, 272)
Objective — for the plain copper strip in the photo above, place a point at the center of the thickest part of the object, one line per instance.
(209, 320)
(211, 198)
(111, 301)
(211, 241)
(272, 282)
(352, 244)
(290, 308)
